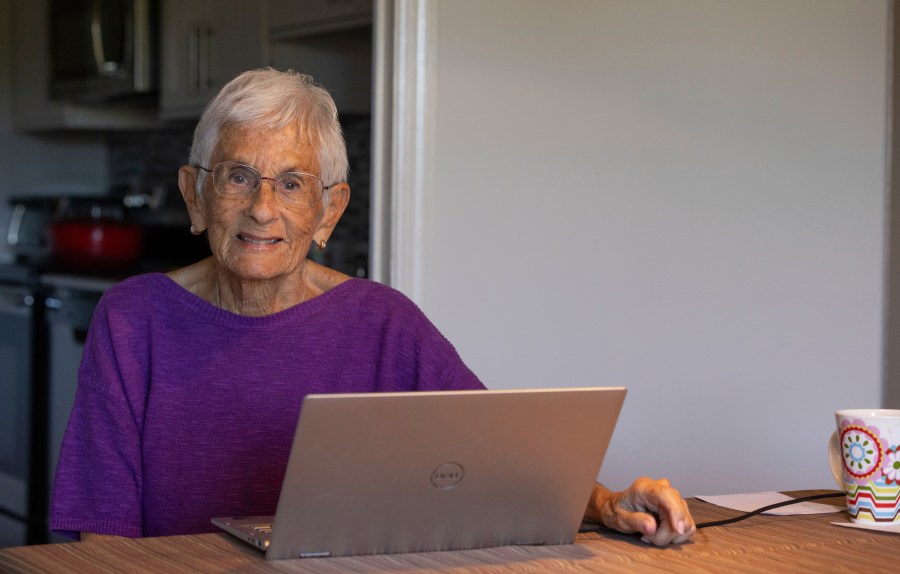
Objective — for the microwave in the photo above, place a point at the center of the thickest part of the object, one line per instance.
(103, 50)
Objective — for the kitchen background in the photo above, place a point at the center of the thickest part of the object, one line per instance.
(74, 157)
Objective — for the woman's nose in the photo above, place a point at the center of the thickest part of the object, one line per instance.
(263, 201)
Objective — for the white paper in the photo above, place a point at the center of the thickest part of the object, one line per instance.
(752, 501)
(893, 528)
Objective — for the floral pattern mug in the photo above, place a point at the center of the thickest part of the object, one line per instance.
(864, 453)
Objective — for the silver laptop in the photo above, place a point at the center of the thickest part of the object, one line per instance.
(381, 473)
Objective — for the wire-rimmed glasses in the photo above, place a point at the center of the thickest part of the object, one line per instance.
(232, 179)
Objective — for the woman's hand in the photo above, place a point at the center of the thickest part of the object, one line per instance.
(651, 507)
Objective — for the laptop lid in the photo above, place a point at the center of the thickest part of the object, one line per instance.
(385, 473)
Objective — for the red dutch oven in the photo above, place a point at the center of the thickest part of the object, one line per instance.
(95, 243)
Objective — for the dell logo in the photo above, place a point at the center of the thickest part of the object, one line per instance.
(447, 475)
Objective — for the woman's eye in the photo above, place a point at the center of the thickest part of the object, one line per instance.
(239, 177)
(291, 183)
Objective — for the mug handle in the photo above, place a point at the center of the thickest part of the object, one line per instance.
(834, 459)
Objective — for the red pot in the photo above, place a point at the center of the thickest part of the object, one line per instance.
(96, 244)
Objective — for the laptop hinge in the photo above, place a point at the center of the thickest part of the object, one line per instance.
(315, 554)
(527, 543)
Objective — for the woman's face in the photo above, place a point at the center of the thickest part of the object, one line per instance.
(261, 236)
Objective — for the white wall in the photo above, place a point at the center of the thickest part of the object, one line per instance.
(683, 197)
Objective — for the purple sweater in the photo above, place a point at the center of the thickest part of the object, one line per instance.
(185, 411)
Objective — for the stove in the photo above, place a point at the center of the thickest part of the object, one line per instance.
(23, 407)
(44, 319)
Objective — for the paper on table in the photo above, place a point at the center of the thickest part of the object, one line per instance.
(752, 501)
(893, 528)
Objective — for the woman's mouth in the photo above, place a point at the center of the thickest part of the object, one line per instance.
(257, 240)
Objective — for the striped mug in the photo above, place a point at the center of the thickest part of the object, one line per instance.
(864, 453)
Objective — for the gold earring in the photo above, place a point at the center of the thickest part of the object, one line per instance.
(321, 245)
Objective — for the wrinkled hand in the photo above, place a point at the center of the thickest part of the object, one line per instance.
(650, 507)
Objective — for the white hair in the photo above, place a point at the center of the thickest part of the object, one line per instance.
(271, 99)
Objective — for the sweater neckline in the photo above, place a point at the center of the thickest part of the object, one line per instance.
(210, 311)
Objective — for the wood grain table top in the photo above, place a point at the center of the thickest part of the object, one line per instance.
(759, 544)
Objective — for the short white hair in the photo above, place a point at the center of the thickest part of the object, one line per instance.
(271, 99)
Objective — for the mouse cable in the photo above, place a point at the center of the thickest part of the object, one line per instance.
(766, 508)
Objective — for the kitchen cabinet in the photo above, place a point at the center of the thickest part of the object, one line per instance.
(205, 43)
(331, 40)
(34, 110)
(339, 60)
(290, 18)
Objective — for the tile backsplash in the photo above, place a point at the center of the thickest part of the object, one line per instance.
(144, 159)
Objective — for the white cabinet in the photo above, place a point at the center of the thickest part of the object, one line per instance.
(340, 60)
(291, 18)
(206, 43)
(329, 39)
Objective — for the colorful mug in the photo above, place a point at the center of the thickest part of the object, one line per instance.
(864, 454)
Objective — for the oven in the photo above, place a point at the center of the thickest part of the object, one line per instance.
(44, 319)
(23, 409)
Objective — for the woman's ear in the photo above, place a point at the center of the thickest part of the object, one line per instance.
(338, 197)
(187, 183)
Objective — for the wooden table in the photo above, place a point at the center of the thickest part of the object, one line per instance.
(758, 544)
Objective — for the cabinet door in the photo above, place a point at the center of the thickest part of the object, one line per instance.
(289, 18)
(205, 44)
(183, 24)
(237, 41)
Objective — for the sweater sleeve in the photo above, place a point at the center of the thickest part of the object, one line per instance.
(440, 366)
(98, 479)
(436, 363)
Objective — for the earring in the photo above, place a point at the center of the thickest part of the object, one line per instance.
(321, 244)
(194, 230)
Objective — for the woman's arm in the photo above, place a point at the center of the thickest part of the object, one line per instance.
(97, 487)
(650, 507)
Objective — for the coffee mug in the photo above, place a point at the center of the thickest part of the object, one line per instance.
(864, 454)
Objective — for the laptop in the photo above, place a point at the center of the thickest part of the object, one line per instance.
(383, 473)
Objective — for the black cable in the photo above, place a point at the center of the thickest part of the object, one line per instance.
(769, 507)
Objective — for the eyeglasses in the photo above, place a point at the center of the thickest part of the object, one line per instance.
(231, 179)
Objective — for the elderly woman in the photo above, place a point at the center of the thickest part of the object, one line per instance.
(192, 381)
